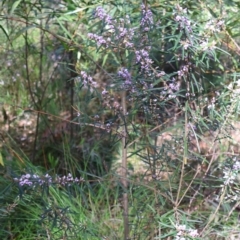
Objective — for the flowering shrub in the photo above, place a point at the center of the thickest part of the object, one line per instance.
(156, 62)
(173, 84)
(141, 74)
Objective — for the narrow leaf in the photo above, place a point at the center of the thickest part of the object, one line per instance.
(5, 32)
(14, 6)
(1, 160)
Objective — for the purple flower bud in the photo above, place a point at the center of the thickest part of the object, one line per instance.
(147, 18)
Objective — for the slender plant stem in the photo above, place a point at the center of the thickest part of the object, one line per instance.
(124, 169)
(184, 156)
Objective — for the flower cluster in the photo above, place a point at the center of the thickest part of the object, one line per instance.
(232, 196)
(174, 86)
(211, 103)
(100, 40)
(228, 177)
(116, 31)
(120, 32)
(33, 180)
(125, 74)
(214, 25)
(170, 89)
(143, 58)
(147, 18)
(68, 180)
(110, 102)
(160, 74)
(236, 165)
(184, 233)
(186, 44)
(231, 172)
(102, 15)
(183, 71)
(234, 88)
(87, 80)
(184, 23)
(206, 46)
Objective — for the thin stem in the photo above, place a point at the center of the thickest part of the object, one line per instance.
(124, 169)
(184, 156)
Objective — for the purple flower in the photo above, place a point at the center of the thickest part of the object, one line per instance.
(98, 39)
(180, 73)
(104, 92)
(236, 165)
(83, 74)
(147, 18)
(142, 58)
(123, 31)
(184, 23)
(100, 13)
(87, 80)
(35, 180)
(160, 74)
(124, 73)
(174, 86)
(108, 19)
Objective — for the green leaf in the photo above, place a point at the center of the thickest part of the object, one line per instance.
(1, 160)
(5, 32)
(14, 6)
(64, 29)
(76, 11)
(105, 59)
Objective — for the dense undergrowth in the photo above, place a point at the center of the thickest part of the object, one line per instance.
(119, 121)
